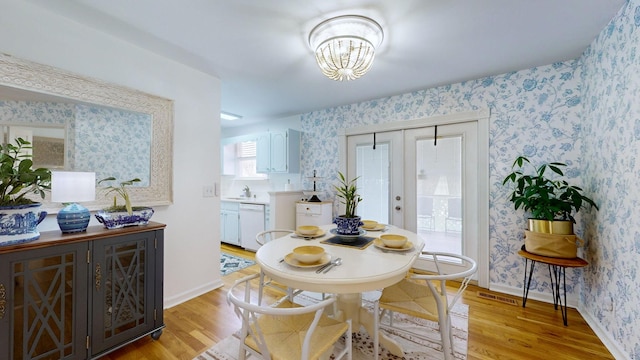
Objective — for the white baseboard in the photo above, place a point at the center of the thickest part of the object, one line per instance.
(188, 295)
(572, 300)
(612, 345)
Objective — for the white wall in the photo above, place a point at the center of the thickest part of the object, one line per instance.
(290, 122)
(191, 237)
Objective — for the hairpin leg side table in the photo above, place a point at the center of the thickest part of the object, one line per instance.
(557, 267)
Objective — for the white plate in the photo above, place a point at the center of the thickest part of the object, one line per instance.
(318, 233)
(293, 262)
(379, 227)
(379, 244)
(335, 232)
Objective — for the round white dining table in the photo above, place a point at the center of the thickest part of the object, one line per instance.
(361, 270)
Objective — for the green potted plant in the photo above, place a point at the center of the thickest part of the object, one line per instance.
(349, 223)
(20, 215)
(117, 216)
(552, 202)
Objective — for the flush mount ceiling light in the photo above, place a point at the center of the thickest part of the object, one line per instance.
(346, 45)
(229, 116)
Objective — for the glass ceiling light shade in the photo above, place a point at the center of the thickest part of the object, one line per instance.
(345, 46)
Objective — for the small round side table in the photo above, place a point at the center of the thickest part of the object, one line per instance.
(557, 267)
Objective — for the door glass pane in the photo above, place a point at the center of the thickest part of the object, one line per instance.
(124, 286)
(439, 193)
(44, 307)
(372, 168)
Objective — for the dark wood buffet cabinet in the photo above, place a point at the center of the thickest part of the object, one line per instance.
(82, 295)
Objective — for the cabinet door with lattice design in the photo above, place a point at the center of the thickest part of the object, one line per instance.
(43, 303)
(123, 300)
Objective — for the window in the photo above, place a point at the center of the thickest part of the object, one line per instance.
(246, 160)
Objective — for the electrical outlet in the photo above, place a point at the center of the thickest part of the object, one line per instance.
(207, 191)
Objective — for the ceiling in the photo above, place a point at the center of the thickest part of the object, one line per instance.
(259, 50)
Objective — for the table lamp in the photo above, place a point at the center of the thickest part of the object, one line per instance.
(72, 187)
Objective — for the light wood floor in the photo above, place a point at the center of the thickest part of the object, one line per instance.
(497, 330)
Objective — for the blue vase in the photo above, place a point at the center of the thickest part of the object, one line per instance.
(348, 226)
(73, 218)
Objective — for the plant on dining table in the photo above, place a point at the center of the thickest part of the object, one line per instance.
(347, 193)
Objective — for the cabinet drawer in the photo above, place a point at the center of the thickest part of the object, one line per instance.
(229, 205)
(309, 209)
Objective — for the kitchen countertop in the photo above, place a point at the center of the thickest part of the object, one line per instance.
(245, 200)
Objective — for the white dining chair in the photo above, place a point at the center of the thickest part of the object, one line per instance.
(285, 330)
(425, 297)
(262, 238)
(265, 236)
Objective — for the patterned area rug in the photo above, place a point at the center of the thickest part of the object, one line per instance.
(414, 348)
(230, 263)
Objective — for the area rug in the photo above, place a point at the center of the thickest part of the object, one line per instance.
(230, 263)
(414, 348)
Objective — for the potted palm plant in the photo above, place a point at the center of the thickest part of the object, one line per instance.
(546, 199)
(118, 216)
(348, 223)
(20, 215)
(551, 202)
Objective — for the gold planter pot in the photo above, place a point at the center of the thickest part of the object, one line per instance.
(559, 227)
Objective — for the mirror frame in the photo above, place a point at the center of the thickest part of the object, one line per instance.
(27, 75)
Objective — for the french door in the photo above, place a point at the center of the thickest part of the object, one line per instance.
(433, 185)
(379, 175)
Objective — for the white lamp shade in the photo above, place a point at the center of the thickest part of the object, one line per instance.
(73, 186)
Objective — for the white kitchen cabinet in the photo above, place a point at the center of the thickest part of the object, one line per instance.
(314, 213)
(230, 222)
(263, 153)
(278, 152)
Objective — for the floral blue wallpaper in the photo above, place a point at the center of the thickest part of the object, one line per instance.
(29, 112)
(579, 112)
(119, 145)
(533, 112)
(611, 129)
(105, 127)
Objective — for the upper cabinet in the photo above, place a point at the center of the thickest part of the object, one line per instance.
(278, 152)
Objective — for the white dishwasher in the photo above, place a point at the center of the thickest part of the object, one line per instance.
(251, 223)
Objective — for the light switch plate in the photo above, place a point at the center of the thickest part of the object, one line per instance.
(207, 191)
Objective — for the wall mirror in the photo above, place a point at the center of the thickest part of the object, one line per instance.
(84, 124)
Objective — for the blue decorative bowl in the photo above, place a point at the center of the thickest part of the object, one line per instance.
(120, 219)
(18, 224)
